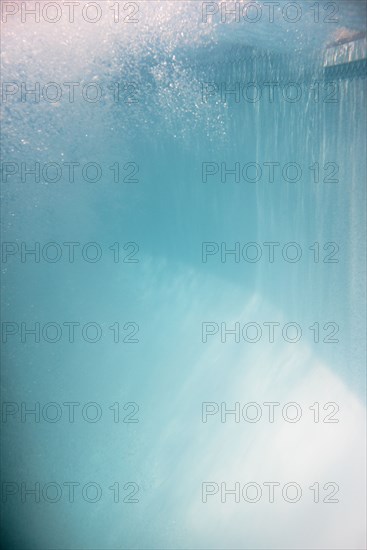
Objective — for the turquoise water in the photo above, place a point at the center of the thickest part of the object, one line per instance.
(174, 211)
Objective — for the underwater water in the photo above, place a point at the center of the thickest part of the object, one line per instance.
(183, 275)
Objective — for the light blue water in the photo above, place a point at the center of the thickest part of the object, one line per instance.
(171, 56)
